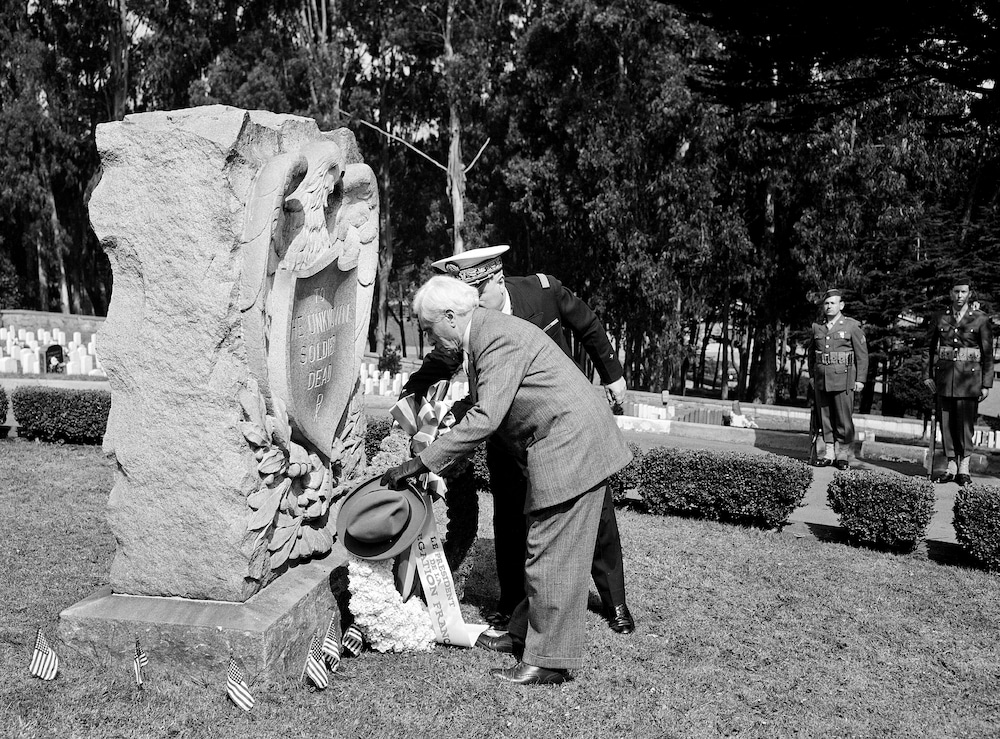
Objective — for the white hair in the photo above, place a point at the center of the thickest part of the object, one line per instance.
(442, 293)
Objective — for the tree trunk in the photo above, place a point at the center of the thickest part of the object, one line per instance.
(386, 247)
(725, 350)
(121, 38)
(322, 29)
(456, 170)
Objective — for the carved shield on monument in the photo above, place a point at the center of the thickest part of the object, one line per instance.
(311, 358)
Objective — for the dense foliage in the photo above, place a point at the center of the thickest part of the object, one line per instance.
(753, 489)
(59, 414)
(690, 169)
(883, 509)
(977, 522)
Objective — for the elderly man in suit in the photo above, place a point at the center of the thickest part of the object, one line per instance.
(960, 373)
(529, 395)
(544, 301)
(838, 366)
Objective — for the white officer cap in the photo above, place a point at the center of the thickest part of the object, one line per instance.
(473, 266)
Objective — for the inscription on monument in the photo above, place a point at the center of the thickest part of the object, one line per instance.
(317, 359)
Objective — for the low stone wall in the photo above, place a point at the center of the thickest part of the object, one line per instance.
(32, 320)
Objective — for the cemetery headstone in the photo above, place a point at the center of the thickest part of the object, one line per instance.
(55, 358)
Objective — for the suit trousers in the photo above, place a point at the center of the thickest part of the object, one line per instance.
(836, 410)
(958, 418)
(509, 487)
(551, 620)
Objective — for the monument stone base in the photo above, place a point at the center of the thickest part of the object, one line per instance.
(269, 633)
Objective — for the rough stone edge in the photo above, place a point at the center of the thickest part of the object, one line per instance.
(269, 633)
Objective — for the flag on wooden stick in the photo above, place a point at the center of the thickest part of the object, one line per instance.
(315, 668)
(331, 646)
(236, 686)
(353, 641)
(138, 662)
(44, 662)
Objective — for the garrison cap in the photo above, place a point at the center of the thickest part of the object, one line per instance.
(960, 279)
(834, 292)
(473, 266)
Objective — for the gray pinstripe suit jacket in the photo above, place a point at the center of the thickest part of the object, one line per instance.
(541, 408)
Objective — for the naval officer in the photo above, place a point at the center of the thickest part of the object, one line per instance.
(544, 301)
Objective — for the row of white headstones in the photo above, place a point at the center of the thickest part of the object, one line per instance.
(23, 352)
(374, 382)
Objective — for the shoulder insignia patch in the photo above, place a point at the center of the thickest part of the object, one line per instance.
(544, 280)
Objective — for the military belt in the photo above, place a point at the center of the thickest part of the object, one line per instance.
(834, 357)
(959, 354)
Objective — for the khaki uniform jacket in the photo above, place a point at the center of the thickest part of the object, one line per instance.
(844, 336)
(961, 378)
(540, 407)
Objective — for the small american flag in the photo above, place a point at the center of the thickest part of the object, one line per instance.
(315, 668)
(331, 646)
(138, 662)
(236, 686)
(352, 640)
(44, 662)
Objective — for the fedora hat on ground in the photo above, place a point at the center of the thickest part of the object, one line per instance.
(375, 522)
(473, 266)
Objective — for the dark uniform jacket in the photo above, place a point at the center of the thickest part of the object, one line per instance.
(838, 356)
(961, 354)
(547, 303)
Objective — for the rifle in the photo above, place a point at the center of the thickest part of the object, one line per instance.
(933, 441)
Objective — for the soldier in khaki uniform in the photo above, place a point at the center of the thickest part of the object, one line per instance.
(838, 366)
(960, 373)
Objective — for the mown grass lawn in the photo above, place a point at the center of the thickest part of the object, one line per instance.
(740, 633)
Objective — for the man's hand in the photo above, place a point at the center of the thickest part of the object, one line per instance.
(616, 391)
(859, 386)
(929, 384)
(394, 477)
(983, 394)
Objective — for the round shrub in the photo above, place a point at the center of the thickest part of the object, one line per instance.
(376, 430)
(883, 509)
(753, 489)
(628, 478)
(977, 522)
(60, 414)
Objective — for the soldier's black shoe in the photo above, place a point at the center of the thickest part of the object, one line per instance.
(621, 620)
(505, 643)
(824, 462)
(498, 620)
(946, 477)
(963, 479)
(842, 464)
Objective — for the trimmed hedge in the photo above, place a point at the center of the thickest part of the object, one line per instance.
(60, 414)
(882, 509)
(628, 478)
(977, 522)
(752, 489)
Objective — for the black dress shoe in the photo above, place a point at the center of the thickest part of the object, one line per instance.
(963, 479)
(824, 462)
(946, 477)
(504, 643)
(498, 620)
(621, 620)
(842, 464)
(523, 674)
